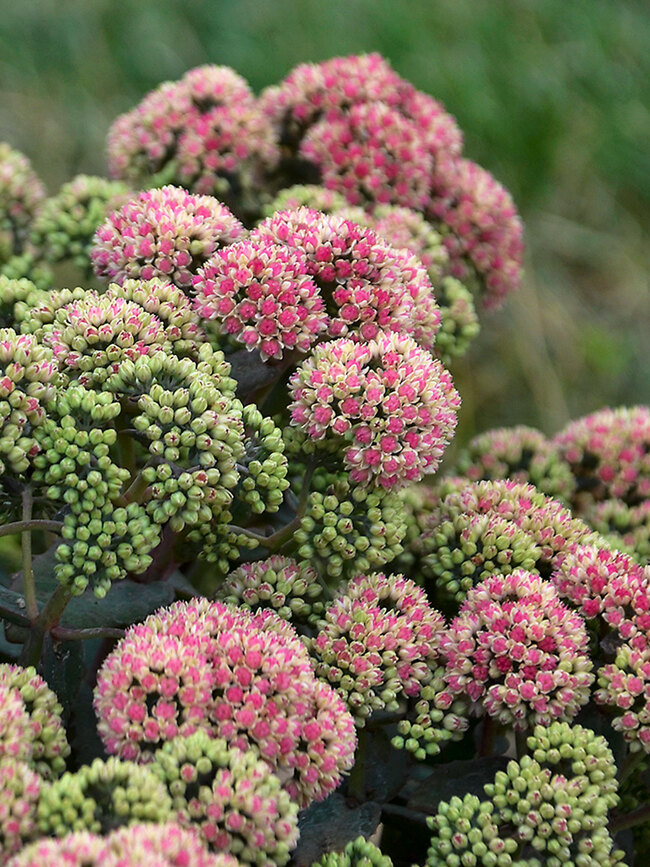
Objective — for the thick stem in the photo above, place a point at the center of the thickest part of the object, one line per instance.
(630, 820)
(29, 588)
(21, 526)
(631, 763)
(48, 618)
(357, 778)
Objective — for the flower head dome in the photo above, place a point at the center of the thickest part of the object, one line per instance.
(517, 650)
(205, 132)
(20, 788)
(458, 553)
(626, 527)
(311, 90)
(17, 297)
(388, 406)
(370, 154)
(231, 797)
(481, 228)
(102, 796)
(406, 228)
(150, 689)
(263, 295)
(378, 641)
(624, 688)
(27, 375)
(359, 275)
(609, 454)
(166, 233)
(521, 454)
(65, 225)
(278, 583)
(48, 738)
(21, 196)
(609, 585)
(347, 530)
(148, 845)
(546, 521)
(306, 196)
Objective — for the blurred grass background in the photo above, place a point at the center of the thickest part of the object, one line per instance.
(553, 98)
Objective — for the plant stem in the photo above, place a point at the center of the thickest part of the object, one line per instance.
(48, 617)
(357, 778)
(631, 763)
(21, 526)
(630, 820)
(63, 633)
(29, 590)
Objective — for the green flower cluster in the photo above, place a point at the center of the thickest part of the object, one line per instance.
(357, 853)
(64, 227)
(263, 468)
(347, 530)
(102, 796)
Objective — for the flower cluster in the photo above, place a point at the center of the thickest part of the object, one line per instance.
(347, 530)
(15, 730)
(377, 641)
(609, 455)
(147, 845)
(27, 374)
(232, 797)
(360, 277)
(166, 233)
(17, 297)
(357, 853)
(102, 796)
(263, 295)
(370, 154)
(311, 196)
(609, 585)
(481, 228)
(552, 804)
(290, 589)
(204, 132)
(624, 688)
(66, 223)
(458, 553)
(519, 651)
(546, 521)
(520, 453)
(21, 196)
(20, 788)
(263, 468)
(241, 677)
(387, 405)
(626, 527)
(49, 744)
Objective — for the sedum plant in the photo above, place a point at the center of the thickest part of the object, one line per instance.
(250, 616)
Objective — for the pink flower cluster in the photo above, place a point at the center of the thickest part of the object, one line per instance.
(387, 405)
(15, 729)
(482, 230)
(362, 279)
(242, 677)
(164, 233)
(607, 584)
(609, 453)
(519, 651)
(262, 294)
(147, 845)
(315, 92)
(371, 154)
(378, 641)
(205, 132)
(624, 688)
(20, 788)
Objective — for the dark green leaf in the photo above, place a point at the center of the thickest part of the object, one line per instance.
(327, 827)
(125, 603)
(251, 372)
(64, 669)
(12, 607)
(455, 778)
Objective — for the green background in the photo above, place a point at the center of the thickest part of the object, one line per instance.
(553, 98)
